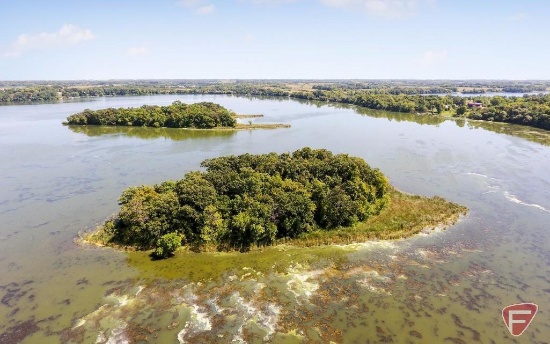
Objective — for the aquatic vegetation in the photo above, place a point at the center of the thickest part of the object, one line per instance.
(343, 301)
(17, 333)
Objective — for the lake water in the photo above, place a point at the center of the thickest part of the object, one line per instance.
(442, 287)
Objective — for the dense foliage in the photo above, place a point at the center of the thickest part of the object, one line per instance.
(178, 115)
(527, 110)
(247, 200)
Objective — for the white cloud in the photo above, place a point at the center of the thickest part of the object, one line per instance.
(521, 16)
(205, 9)
(201, 7)
(137, 51)
(249, 38)
(68, 35)
(269, 2)
(431, 57)
(380, 8)
(192, 3)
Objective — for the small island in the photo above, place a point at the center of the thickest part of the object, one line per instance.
(204, 115)
(308, 197)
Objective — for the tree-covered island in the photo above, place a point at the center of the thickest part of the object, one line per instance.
(308, 197)
(204, 115)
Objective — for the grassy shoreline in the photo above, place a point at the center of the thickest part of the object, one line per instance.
(248, 116)
(240, 126)
(405, 216)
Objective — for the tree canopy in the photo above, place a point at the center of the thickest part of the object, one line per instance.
(203, 115)
(246, 200)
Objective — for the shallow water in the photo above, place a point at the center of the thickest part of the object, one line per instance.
(443, 286)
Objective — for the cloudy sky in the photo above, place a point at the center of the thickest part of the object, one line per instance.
(360, 39)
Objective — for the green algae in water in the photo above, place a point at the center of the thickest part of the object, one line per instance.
(206, 266)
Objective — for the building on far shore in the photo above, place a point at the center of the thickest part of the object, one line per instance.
(475, 105)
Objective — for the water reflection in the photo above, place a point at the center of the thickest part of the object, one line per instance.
(401, 117)
(529, 133)
(391, 116)
(532, 134)
(175, 134)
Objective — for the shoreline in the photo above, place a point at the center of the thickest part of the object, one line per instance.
(237, 127)
(446, 115)
(421, 214)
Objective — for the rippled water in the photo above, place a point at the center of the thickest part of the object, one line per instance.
(439, 287)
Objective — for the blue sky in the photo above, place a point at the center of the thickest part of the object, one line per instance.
(296, 39)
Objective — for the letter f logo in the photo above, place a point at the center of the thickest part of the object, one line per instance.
(518, 317)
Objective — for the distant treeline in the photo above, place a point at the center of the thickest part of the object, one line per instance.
(247, 200)
(531, 110)
(52, 94)
(525, 86)
(32, 91)
(377, 89)
(396, 96)
(203, 115)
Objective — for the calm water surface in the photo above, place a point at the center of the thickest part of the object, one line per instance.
(441, 287)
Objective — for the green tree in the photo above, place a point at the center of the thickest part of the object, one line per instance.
(461, 110)
(247, 200)
(167, 244)
(145, 215)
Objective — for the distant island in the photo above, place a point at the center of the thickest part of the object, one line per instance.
(308, 197)
(204, 115)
